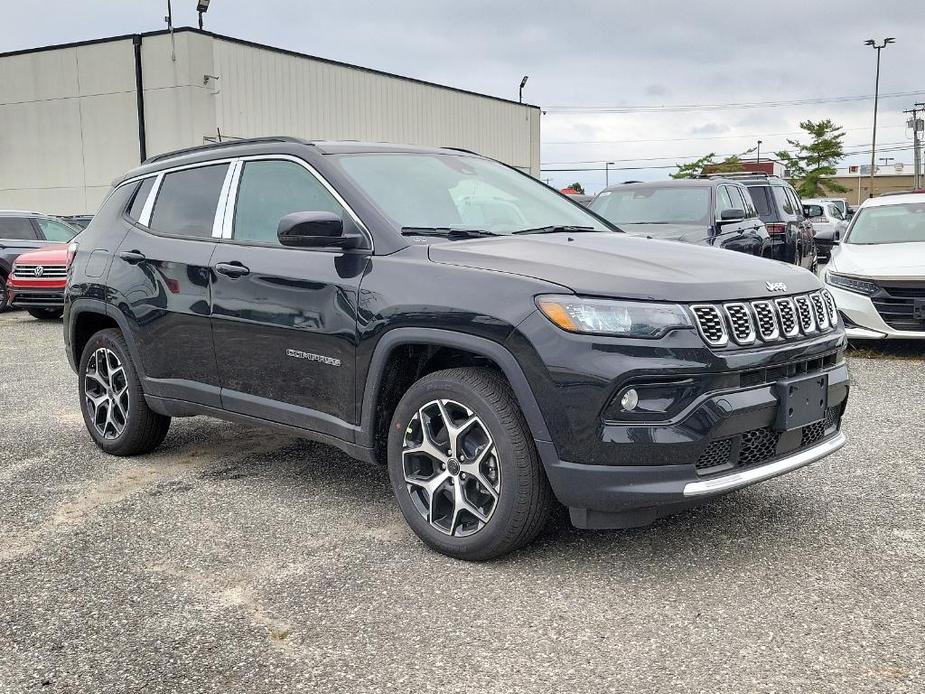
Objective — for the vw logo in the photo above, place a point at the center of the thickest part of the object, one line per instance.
(776, 286)
(38, 271)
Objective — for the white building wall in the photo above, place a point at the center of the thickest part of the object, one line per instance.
(68, 117)
(266, 92)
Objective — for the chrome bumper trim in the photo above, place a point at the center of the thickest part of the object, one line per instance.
(763, 472)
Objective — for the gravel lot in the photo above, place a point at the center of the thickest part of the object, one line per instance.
(235, 559)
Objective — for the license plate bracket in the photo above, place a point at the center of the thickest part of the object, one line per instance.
(801, 401)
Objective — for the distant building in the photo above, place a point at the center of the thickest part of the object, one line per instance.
(887, 179)
(75, 116)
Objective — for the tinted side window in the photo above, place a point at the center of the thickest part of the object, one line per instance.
(56, 231)
(16, 228)
(141, 195)
(795, 201)
(746, 201)
(723, 200)
(186, 201)
(783, 200)
(269, 190)
(759, 195)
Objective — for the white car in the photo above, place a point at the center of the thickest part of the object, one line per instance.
(828, 222)
(877, 271)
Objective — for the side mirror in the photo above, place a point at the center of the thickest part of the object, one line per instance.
(311, 229)
(837, 238)
(734, 214)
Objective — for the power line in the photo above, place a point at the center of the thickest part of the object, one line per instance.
(698, 139)
(899, 145)
(721, 107)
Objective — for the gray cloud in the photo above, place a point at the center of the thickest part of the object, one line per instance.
(600, 53)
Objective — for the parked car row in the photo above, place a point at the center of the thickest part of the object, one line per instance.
(33, 261)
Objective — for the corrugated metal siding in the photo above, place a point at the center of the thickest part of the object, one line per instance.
(264, 92)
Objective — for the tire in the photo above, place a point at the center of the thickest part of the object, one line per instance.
(45, 313)
(106, 359)
(4, 294)
(497, 450)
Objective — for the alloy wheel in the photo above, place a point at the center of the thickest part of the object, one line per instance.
(451, 468)
(106, 393)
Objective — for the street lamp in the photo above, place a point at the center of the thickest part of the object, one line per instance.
(201, 8)
(759, 153)
(523, 83)
(607, 166)
(873, 145)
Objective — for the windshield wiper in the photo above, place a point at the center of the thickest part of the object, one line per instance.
(554, 229)
(447, 232)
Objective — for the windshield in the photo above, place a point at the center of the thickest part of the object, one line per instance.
(654, 205)
(901, 223)
(447, 191)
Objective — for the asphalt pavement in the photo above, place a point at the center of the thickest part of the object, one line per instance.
(235, 559)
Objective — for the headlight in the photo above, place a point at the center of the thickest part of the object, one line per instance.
(851, 284)
(610, 317)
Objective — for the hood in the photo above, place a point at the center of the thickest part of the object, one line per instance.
(619, 265)
(52, 254)
(688, 233)
(881, 260)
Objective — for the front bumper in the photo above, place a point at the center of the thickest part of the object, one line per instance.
(741, 447)
(863, 321)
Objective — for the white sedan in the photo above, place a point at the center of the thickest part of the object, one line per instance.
(877, 272)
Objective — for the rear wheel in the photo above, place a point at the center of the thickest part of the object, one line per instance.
(463, 466)
(45, 313)
(113, 404)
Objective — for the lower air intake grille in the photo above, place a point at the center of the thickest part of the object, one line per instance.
(717, 454)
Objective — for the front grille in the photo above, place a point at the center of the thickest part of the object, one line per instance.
(759, 446)
(896, 305)
(764, 320)
(33, 271)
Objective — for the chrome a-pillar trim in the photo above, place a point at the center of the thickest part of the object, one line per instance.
(763, 472)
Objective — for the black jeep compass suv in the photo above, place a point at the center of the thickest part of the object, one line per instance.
(497, 345)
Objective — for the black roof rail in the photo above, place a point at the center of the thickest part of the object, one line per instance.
(224, 143)
(739, 174)
(461, 149)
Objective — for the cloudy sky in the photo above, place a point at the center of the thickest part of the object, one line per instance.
(585, 58)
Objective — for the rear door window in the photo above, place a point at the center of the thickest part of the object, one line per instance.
(186, 201)
(16, 228)
(784, 202)
(724, 201)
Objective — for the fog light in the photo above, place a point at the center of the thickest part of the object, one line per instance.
(629, 400)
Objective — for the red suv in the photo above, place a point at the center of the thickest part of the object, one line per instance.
(37, 281)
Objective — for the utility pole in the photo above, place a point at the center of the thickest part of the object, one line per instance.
(873, 145)
(917, 108)
(758, 157)
(607, 166)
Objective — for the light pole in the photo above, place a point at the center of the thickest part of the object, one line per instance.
(607, 166)
(201, 7)
(873, 144)
(523, 83)
(759, 153)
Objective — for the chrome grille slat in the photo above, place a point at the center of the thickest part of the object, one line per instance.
(766, 319)
(787, 312)
(710, 324)
(760, 321)
(740, 322)
(48, 271)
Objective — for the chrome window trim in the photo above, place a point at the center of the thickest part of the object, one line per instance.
(751, 337)
(231, 200)
(145, 217)
(233, 194)
(218, 221)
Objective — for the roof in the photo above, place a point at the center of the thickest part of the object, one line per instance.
(21, 213)
(894, 199)
(254, 44)
(670, 183)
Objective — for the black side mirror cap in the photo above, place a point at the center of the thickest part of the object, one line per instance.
(315, 229)
(734, 214)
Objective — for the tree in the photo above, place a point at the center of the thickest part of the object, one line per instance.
(708, 164)
(577, 187)
(809, 166)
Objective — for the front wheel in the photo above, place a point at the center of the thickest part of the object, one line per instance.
(46, 313)
(4, 294)
(111, 399)
(463, 465)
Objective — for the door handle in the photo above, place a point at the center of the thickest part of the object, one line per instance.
(232, 269)
(132, 257)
